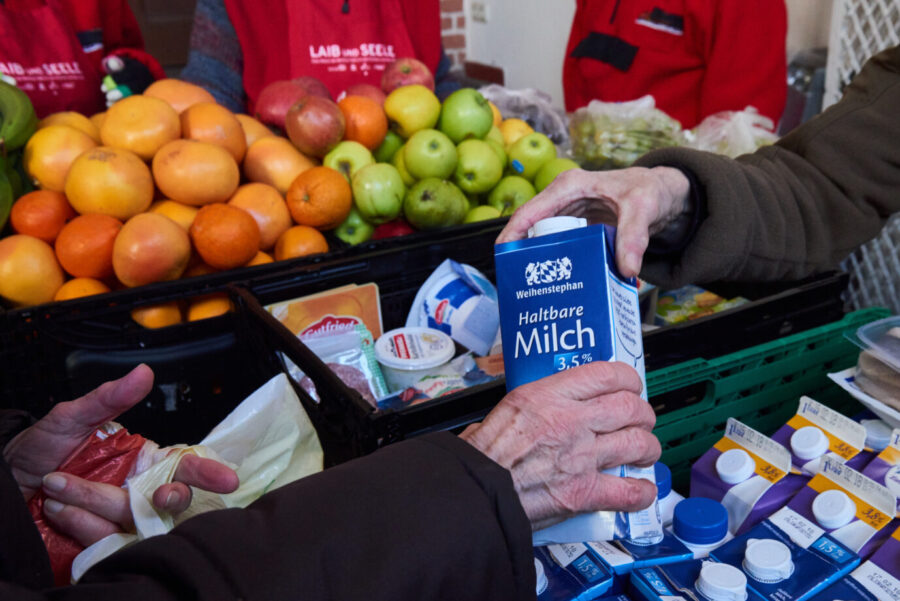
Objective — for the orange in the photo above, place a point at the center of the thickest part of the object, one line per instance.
(179, 94)
(157, 316)
(111, 181)
(195, 173)
(211, 305)
(29, 273)
(72, 119)
(150, 248)
(197, 267)
(97, 119)
(140, 124)
(513, 129)
(78, 287)
(84, 247)
(275, 161)
(498, 116)
(50, 153)
(225, 236)
(300, 241)
(253, 128)
(366, 120)
(181, 214)
(41, 214)
(320, 197)
(213, 123)
(261, 258)
(268, 209)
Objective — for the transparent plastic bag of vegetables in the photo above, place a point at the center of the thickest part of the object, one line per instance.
(609, 135)
(732, 133)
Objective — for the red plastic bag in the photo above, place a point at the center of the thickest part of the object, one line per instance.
(107, 456)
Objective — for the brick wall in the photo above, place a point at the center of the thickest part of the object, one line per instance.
(453, 31)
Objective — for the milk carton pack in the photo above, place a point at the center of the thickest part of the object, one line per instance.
(564, 304)
(813, 541)
(570, 572)
(884, 469)
(747, 472)
(877, 579)
(695, 580)
(622, 557)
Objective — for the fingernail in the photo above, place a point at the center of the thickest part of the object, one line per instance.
(54, 482)
(172, 498)
(52, 506)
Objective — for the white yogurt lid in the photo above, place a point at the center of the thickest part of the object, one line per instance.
(721, 582)
(809, 442)
(768, 560)
(735, 465)
(542, 581)
(554, 225)
(878, 434)
(833, 509)
(411, 349)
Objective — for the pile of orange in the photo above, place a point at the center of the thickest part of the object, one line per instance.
(165, 185)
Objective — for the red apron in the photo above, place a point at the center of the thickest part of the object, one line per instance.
(39, 49)
(281, 40)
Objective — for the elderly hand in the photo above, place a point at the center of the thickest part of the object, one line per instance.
(556, 436)
(641, 202)
(88, 511)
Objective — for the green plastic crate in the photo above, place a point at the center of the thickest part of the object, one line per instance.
(760, 386)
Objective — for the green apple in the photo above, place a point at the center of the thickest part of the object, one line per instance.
(429, 153)
(482, 213)
(400, 164)
(498, 150)
(391, 144)
(433, 203)
(529, 154)
(378, 192)
(496, 135)
(348, 157)
(466, 114)
(354, 228)
(478, 168)
(511, 193)
(549, 170)
(411, 108)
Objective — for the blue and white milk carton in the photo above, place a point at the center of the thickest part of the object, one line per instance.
(696, 580)
(570, 572)
(564, 304)
(877, 579)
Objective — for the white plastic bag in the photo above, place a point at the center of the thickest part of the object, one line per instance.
(268, 440)
(732, 133)
(531, 105)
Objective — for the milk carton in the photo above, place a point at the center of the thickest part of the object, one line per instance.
(877, 579)
(570, 572)
(622, 557)
(884, 469)
(564, 304)
(696, 580)
(748, 473)
(813, 541)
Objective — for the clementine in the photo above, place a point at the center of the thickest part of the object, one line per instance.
(111, 181)
(261, 258)
(41, 213)
(195, 173)
(211, 305)
(275, 161)
(141, 124)
(213, 123)
(320, 197)
(29, 272)
(179, 94)
(268, 209)
(300, 241)
(157, 316)
(225, 236)
(79, 287)
(366, 120)
(50, 153)
(84, 247)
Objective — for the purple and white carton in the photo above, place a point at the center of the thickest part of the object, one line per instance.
(747, 472)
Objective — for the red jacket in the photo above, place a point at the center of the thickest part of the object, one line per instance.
(696, 57)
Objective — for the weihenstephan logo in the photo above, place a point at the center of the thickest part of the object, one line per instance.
(547, 272)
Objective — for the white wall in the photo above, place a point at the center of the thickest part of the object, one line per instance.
(527, 38)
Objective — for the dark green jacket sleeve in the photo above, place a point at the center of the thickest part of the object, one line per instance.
(802, 205)
(429, 518)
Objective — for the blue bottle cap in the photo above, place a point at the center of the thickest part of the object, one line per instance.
(663, 480)
(700, 521)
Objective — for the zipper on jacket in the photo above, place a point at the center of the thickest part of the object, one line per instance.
(612, 17)
(345, 7)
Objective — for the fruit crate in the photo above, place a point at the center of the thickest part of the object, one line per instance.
(760, 386)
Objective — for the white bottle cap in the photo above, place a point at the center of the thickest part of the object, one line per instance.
(554, 225)
(768, 560)
(542, 581)
(721, 582)
(735, 465)
(878, 434)
(833, 509)
(809, 442)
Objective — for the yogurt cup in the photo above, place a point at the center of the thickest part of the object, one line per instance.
(407, 354)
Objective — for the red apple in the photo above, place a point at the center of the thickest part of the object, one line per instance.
(278, 96)
(315, 125)
(404, 72)
(364, 89)
(391, 229)
(313, 86)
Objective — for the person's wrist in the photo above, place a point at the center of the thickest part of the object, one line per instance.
(679, 217)
(677, 192)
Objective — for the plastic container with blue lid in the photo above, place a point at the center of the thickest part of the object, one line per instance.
(666, 497)
(701, 524)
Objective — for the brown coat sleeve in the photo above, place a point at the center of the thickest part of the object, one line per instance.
(801, 206)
